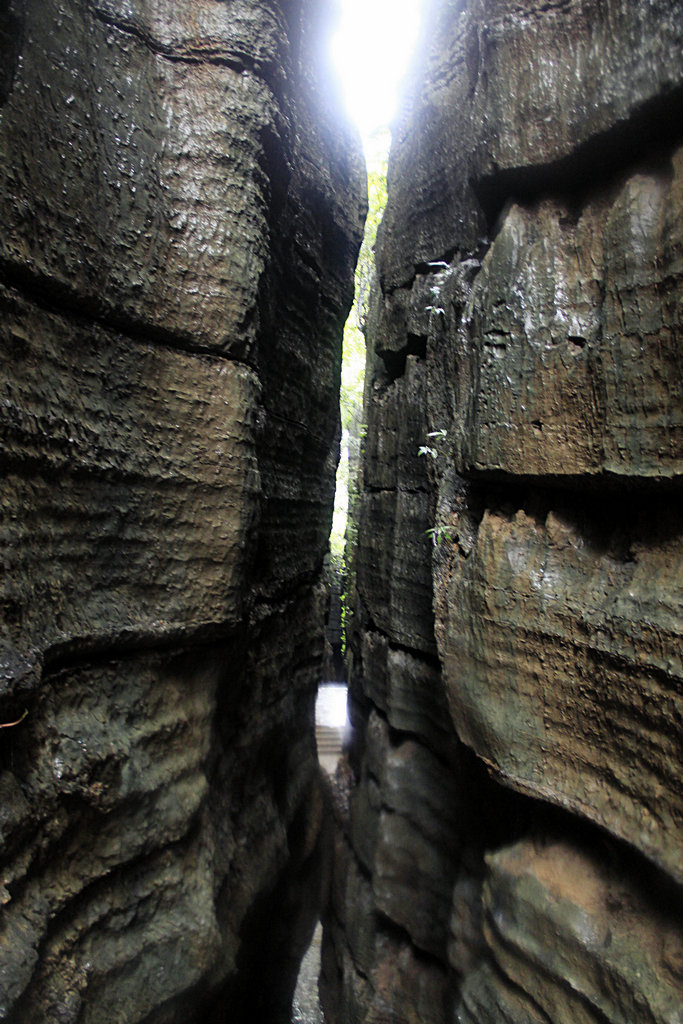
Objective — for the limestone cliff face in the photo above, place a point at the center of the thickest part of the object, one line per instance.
(180, 212)
(511, 822)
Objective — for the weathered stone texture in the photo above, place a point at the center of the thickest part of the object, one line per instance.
(569, 362)
(530, 317)
(405, 689)
(394, 578)
(403, 829)
(588, 942)
(541, 92)
(150, 200)
(181, 209)
(131, 486)
(561, 648)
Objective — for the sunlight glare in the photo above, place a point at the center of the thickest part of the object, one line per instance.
(330, 706)
(371, 50)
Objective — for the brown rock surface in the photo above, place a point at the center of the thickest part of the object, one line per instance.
(540, 93)
(584, 940)
(181, 209)
(529, 319)
(394, 577)
(155, 454)
(144, 115)
(561, 650)
(403, 829)
(569, 361)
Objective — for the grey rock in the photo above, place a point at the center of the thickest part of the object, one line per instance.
(506, 97)
(567, 354)
(528, 315)
(181, 210)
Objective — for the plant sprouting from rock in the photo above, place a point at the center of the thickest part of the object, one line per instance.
(437, 534)
(436, 437)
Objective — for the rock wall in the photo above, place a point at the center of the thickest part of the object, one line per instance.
(510, 818)
(181, 209)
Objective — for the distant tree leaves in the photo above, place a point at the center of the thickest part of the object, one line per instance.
(353, 358)
(377, 200)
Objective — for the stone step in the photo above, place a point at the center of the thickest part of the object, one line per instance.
(328, 739)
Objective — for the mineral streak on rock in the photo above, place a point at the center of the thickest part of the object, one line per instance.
(181, 210)
(530, 319)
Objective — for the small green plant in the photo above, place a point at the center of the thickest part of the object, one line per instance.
(437, 534)
(437, 436)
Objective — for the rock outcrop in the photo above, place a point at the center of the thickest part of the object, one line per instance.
(510, 822)
(181, 211)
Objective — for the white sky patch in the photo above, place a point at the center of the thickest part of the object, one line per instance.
(371, 50)
(330, 705)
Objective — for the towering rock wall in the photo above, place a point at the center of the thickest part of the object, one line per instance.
(510, 841)
(180, 214)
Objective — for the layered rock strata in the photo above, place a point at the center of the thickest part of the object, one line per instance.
(510, 824)
(181, 211)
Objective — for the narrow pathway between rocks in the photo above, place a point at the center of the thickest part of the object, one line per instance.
(330, 725)
(306, 1008)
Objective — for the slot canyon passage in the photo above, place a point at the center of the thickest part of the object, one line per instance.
(181, 209)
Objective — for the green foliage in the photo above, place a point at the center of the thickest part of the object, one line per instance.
(437, 436)
(353, 372)
(353, 353)
(437, 534)
(377, 200)
(343, 535)
(353, 357)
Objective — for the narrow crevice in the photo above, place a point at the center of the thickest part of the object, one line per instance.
(53, 469)
(22, 1009)
(11, 44)
(515, 987)
(401, 936)
(589, 1008)
(395, 360)
(79, 653)
(602, 483)
(436, 266)
(428, 658)
(395, 490)
(606, 523)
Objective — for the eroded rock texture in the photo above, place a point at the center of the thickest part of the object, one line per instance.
(510, 818)
(181, 210)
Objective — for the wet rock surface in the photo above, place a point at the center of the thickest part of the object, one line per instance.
(181, 210)
(516, 671)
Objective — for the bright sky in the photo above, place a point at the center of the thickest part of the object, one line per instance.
(371, 51)
(330, 705)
